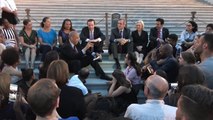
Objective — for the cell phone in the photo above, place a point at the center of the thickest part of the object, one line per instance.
(150, 70)
(13, 92)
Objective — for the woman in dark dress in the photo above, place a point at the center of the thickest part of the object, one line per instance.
(140, 40)
(28, 39)
(121, 90)
(63, 34)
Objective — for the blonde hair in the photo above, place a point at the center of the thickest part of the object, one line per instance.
(59, 71)
(5, 80)
(141, 22)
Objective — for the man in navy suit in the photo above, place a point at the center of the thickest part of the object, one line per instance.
(78, 57)
(120, 41)
(91, 33)
(158, 34)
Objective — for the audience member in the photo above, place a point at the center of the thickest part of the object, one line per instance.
(186, 58)
(172, 39)
(133, 72)
(120, 41)
(63, 34)
(205, 50)
(140, 40)
(9, 110)
(78, 57)
(47, 37)
(43, 98)
(121, 91)
(28, 39)
(10, 58)
(158, 34)
(209, 28)
(188, 75)
(155, 90)
(93, 34)
(28, 79)
(71, 98)
(187, 36)
(9, 11)
(50, 56)
(2, 45)
(167, 63)
(195, 103)
(79, 80)
(10, 35)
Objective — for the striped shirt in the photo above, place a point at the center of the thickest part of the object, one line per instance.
(10, 37)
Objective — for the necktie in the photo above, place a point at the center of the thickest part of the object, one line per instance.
(121, 34)
(75, 48)
(91, 36)
(159, 36)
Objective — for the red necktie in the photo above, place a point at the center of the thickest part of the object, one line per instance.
(159, 36)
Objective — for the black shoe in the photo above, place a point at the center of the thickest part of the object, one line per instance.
(105, 77)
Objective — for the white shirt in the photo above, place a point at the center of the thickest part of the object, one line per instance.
(151, 110)
(10, 4)
(76, 82)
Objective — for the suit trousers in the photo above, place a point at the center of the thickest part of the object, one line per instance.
(115, 48)
(76, 65)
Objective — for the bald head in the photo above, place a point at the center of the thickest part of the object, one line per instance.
(166, 50)
(157, 87)
(74, 37)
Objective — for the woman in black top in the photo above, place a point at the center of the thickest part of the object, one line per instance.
(140, 40)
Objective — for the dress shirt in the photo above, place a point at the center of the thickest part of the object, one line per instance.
(151, 110)
(76, 82)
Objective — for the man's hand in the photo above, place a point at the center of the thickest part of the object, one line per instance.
(89, 45)
(123, 41)
(161, 61)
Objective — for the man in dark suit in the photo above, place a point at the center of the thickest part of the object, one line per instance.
(78, 57)
(120, 41)
(91, 33)
(158, 34)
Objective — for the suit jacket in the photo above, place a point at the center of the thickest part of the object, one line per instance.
(68, 53)
(140, 40)
(154, 35)
(116, 35)
(170, 66)
(85, 35)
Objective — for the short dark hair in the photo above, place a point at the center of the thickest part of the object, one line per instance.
(161, 20)
(188, 57)
(10, 56)
(173, 37)
(210, 25)
(83, 73)
(90, 20)
(42, 97)
(197, 102)
(208, 38)
(27, 74)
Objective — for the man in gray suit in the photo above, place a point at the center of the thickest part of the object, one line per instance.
(120, 41)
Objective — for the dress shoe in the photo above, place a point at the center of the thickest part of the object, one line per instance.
(105, 77)
(98, 58)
